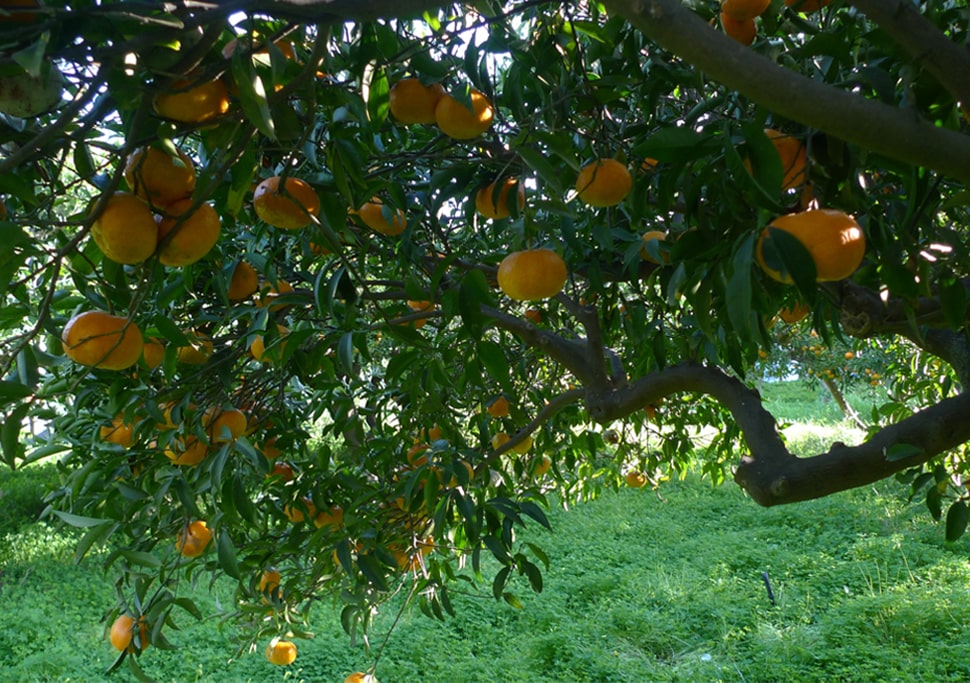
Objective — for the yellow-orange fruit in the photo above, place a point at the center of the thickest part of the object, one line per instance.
(192, 102)
(495, 207)
(244, 282)
(154, 352)
(159, 178)
(834, 240)
(651, 236)
(742, 30)
(532, 274)
(225, 425)
(125, 230)
(795, 313)
(258, 346)
(793, 157)
(122, 633)
(636, 480)
(290, 207)
(743, 10)
(101, 340)
(372, 215)
(604, 182)
(281, 652)
(188, 452)
(461, 123)
(412, 101)
(118, 432)
(193, 539)
(194, 233)
(499, 407)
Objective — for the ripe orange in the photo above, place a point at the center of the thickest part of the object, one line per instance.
(807, 5)
(542, 466)
(269, 583)
(158, 177)
(490, 206)
(635, 480)
(417, 307)
(154, 352)
(291, 207)
(849, 355)
(834, 239)
(372, 215)
(198, 351)
(358, 677)
(193, 539)
(532, 274)
(742, 30)
(272, 291)
(119, 432)
(281, 652)
(296, 514)
(244, 282)
(258, 347)
(499, 407)
(793, 157)
(282, 470)
(125, 231)
(605, 182)
(794, 313)
(649, 165)
(194, 237)
(414, 102)
(533, 315)
(652, 236)
(743, 10)
(333, 518)
(102, 340)
(461, 123)
(189, 451)
(225, 425)
(523, 446)
(192, 102)
(122, 633)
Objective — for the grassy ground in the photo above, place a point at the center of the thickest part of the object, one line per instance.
(644, 587)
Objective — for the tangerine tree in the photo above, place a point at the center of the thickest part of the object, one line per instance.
(296, 373)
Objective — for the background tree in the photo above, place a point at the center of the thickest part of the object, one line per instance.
(281, 354)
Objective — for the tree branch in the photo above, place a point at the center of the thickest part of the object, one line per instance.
(894, 133)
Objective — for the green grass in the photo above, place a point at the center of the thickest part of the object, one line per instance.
(645, 586)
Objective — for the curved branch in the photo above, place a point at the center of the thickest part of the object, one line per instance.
(946, 61)
(896, 134)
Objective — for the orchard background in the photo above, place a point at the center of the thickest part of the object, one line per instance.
(332, 298)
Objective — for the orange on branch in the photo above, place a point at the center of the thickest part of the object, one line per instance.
(272, 291)
(159, 178)
(192, 101)
(532, 274)
(834, 240)
(499, 407)
(652, 236)
(604, 182)
(372, 215)
(333, 518)
(102, 340)
(269, 583)
(258, 347)
(461, 123)
(793, 157)
(192, 234)
(118, 432)
(412, 101)
(193, 539)
(244, 282)
(122, 633)
(290, 207)
(188, 452)
(744, 10)
(794, 314)
(225, 425)
(742, 30)
(542, 466)
(153, 352)
(636, 480)
(496, 207)
(198, 351)
(300, 511)
(125, 230)
(281, 652)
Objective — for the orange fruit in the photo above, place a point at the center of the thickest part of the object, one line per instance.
(834, 240)
(416, 456)
(291, 207)
(605, 182)
(244, 282)
(791, 151)
(492, 206)
(649, 165)
(532, 274)
(333, 518)
(225, 425)
(159, 178)
(189, 452)
(794, 313)
(193, 539)
(807, 5)
(542, 466)
(258, 347)
(192, 102)
(125, 230)
(499, 407)
(742, 30)
(272, 291)
(417, 307)
(461, 123)
(636, 480)
(533, 315)
(652, 236)
(122, 633)
(296, 513)
(372, 215)
(192, 234)
(154, 352)
(523, 446)
(285, 46)
(197, 352)
(270, 450)
(414, 102)
(281, 652)
(102, 340)
(743, 10)
(849, 355)
(269, 583)
(499, 439)
(357, 677)
(119, 432)
(282, 470)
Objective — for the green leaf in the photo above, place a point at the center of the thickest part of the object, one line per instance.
(902, 451)
(500, 581)
(784, 252)
(956, 520)
(535, 512)
(512, 600)
(493, 358)
(345, 352)
(80, 521)
(953, 299)
(677, 144)
(472, 295)
(371, 568)
(10, 441)
(252, 94)
(141, 559)
(534, 575)
(226, 553)
(738, 293)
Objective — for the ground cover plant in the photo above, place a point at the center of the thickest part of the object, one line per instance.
(319, 300)
(645, 585)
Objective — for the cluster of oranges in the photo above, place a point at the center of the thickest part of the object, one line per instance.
(737, 16)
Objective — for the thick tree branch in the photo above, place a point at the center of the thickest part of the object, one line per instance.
(894, 133)
(948, 62)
